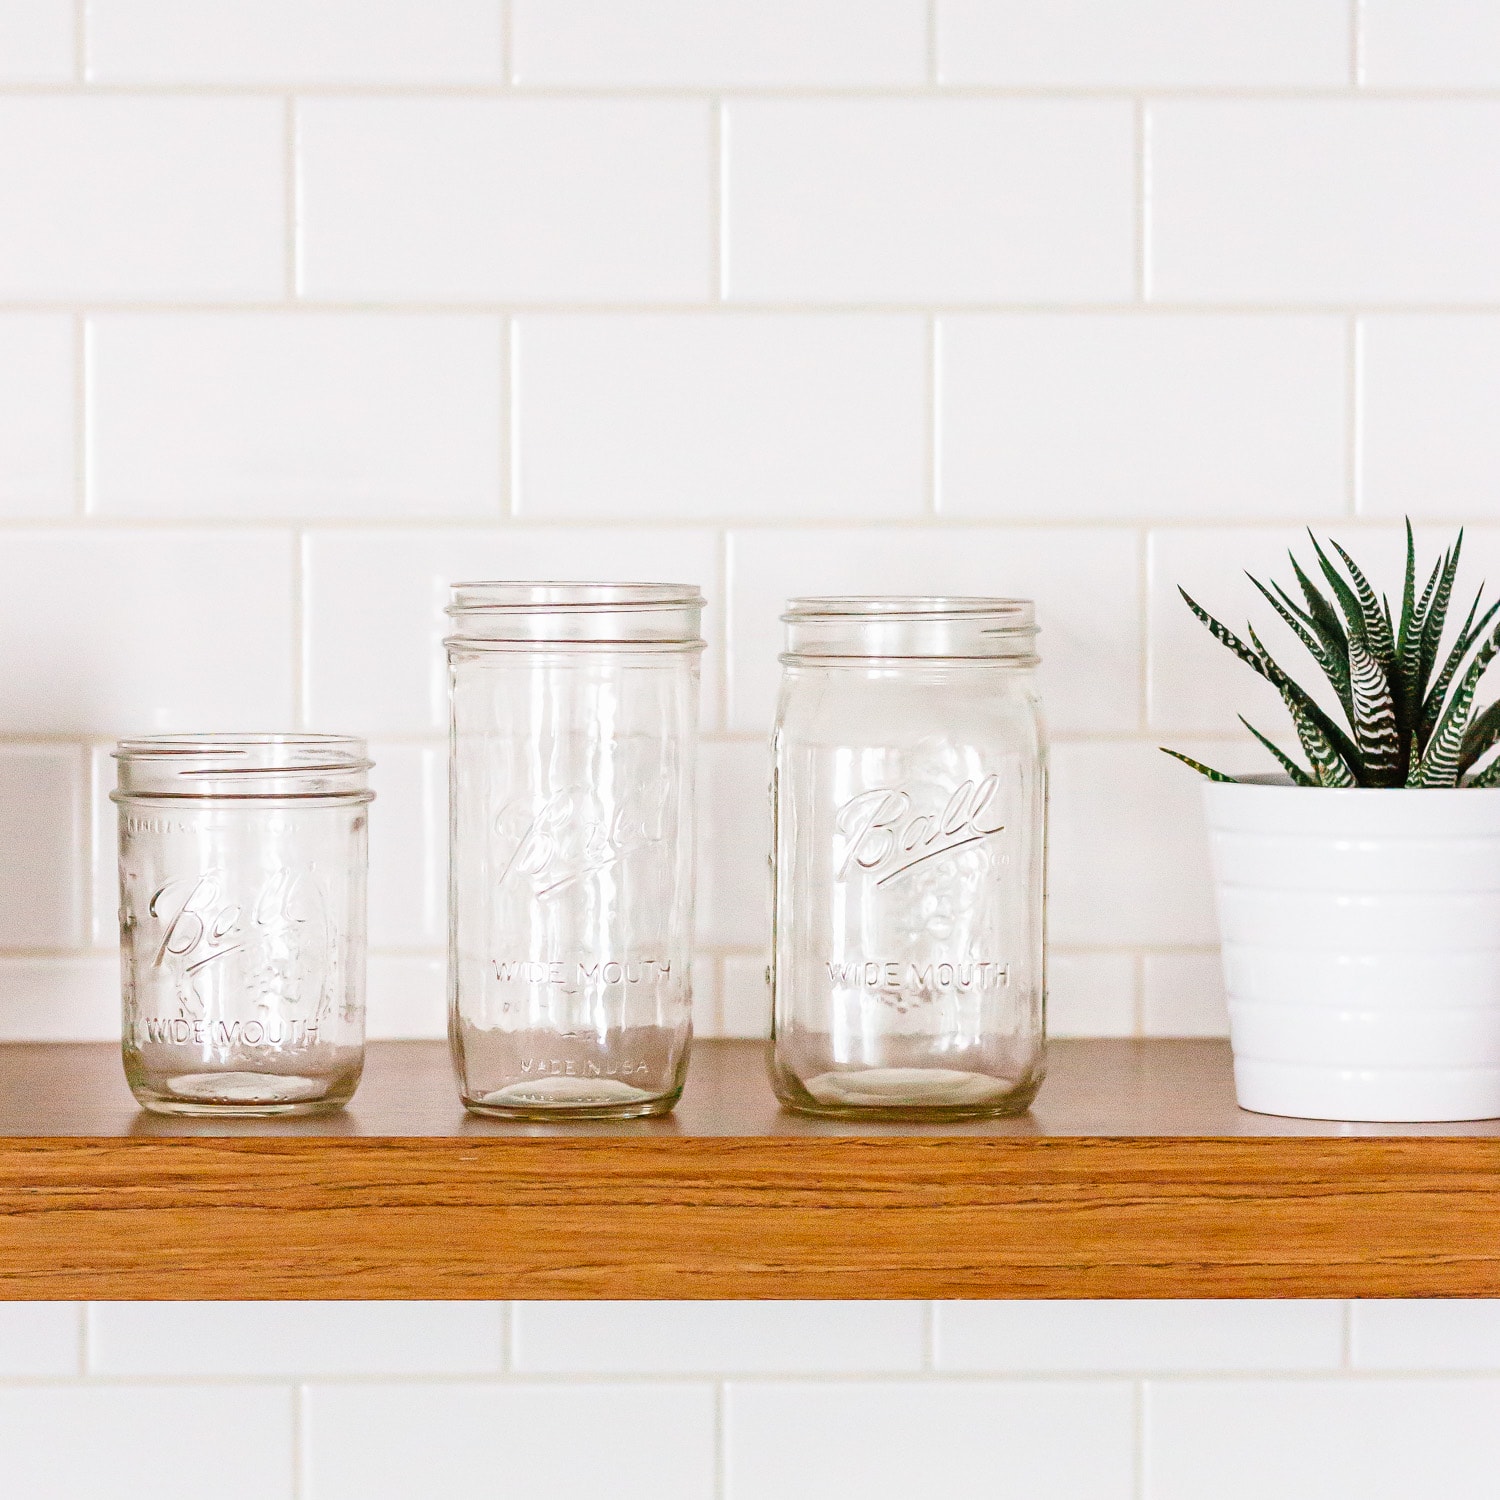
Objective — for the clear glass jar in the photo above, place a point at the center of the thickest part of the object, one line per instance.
(242, 920)
(909, 800)
(574, 719)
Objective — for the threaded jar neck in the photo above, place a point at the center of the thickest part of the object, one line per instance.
(898, 627)
(243, 766)
(507, 614)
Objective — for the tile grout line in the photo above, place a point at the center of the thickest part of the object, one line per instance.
(506, 434)
(289, 196)
(300, 1485)
(721, 1466)
(301, 646)
(718, 188)
(80, 43)
(1142, 204)
(1353, 400)
(80, 416)
(1138, 1452)
(932, 458)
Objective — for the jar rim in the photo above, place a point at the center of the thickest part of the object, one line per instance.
(243, 764)
(1019, 614)
(910, 627)
(543, 596)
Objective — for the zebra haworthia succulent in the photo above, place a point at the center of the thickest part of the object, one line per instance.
(1405, 726)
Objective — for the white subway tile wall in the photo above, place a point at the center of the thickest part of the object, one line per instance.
(311, 307)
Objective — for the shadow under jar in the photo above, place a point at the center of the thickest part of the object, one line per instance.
(909, 802)
(242, 921)
(574, 732)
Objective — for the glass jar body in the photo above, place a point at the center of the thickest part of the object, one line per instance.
(908, 966)
(242, 947)
(571, 876)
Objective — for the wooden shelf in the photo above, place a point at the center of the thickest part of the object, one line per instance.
(1134, 1176)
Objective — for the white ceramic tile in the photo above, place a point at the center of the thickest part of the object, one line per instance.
(1182, 994)
(1196, 684)
(1321, 1439)
(294, 1338)
(1127, 860)
(1146, 1336)
(302, 415)
(39, 1338)
(36, 41)
(383, 670)
(301, 41)
(1324, 201)
(568, 1442)
(530, 200)
(954, 200)
(1425, 1335)
(1085, 583)
(406, 996)
(734, 842)
(36, 413)
(43, 833)
(681, 1338)
(60, 999)
(745, 997)
(699, 416)
(135, 197)
(1143, 43)
(409, 846)
(1120, 416)
(745, 43)
(1429, 44)
(891, 1441)
(144, 631)
(104, 849)
(705, 983)
(1091, 994)
(83, 1442)
(1429, 442)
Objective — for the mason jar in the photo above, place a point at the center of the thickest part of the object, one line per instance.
(574, 729)
(242, 920)
(909, 801)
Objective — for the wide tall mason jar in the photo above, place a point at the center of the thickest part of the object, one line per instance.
(574, 731)
(242, 920)
(909, 803)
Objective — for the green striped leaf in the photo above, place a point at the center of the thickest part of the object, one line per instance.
(1437, 617)
(1376, 621)
(1488, 777)
(1439, 765)
(1432, 706)
(1308, 718)
(1335, 668)
(1197, 765)
(1298, 776)
(1376, 732)
(1482, 735)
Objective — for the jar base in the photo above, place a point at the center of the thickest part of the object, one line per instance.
(243, 1094)
(536, 1111)
(915, 1094)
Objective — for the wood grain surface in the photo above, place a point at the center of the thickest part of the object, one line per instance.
(1134, 1176)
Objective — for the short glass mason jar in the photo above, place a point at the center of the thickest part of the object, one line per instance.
(909, 803)
(242, 920)
(574, 722)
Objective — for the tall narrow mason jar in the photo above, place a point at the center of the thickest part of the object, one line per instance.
(242, 920)
(574, 731)
(909, 806)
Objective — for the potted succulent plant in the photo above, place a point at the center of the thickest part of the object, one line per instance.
(1359, 889)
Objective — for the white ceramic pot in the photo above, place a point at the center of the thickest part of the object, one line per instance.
(1361, 935)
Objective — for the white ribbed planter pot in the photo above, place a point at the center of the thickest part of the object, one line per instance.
(1361, 935)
